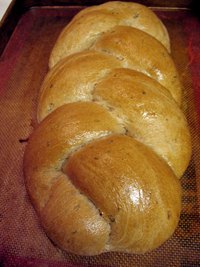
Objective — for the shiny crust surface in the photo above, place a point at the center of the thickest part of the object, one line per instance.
(144, 107)
(140, 51)
(102, 167)
(90, 23)
(134, 186)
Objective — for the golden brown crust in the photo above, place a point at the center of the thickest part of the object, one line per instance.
(73, 80)
(90, 23)
(149, 114)
(140, 51)
(75, 76)
(136, 187)
(144, 107)
(67, 128)
(102, 166)
(81, 228)
(120, 175)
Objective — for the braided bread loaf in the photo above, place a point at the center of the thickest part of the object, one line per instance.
(102, 167)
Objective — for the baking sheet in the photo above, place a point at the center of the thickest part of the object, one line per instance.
(23, 66)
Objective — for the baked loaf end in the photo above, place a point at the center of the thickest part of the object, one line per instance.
(91, 22)
(112, 194)
(103, 166)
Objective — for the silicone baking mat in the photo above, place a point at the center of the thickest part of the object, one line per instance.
(23, 66)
